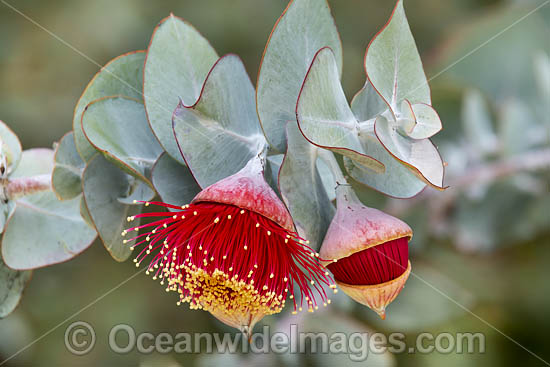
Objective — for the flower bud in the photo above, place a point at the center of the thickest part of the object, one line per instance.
(367, 252)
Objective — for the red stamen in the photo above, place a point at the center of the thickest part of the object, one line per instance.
(223, 258)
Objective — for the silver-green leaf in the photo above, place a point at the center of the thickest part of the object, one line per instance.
(43, 230)
(121, 76)
(103, 184)
(303, 28)
(220, 133)
(178, 61)
(324, 116)
(68, 166)
(420, 156)
(117, 126)
(302, 188)
(393, 64)
(10, 149)
(173, 181)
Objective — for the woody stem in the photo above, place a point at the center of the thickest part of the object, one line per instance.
(23, 186)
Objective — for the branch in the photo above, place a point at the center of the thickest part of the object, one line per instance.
(530, 161)
(18, 187)
(527, 162)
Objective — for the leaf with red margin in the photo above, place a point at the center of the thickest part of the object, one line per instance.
(43, 230)
(121, 76)
(302, 188)
(178, 61)
(426, 121)
(421, 156)
(304, 27)
(393, 64)
(117, 127)
(220, 133)
(324, 116)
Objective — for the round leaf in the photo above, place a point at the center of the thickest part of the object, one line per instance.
(303, 28)
(43, 230)
(421, 156)
(68, 166)
(103, 184)
(324, 116)
(117, 126)
(178, 61)
(173, 181)
(220, 133)
(120, 76)
(397, 181)
(427, 122)
(393, 64)
(10, 148)
(302, 188)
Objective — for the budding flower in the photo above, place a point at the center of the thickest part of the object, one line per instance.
(367, 252)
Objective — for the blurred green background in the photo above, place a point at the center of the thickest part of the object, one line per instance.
(484, 244)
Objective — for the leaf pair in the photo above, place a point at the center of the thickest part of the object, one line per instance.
(199, 107)
(384, 135)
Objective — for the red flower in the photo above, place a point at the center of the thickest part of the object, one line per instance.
(232, 251)
(367, 252)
